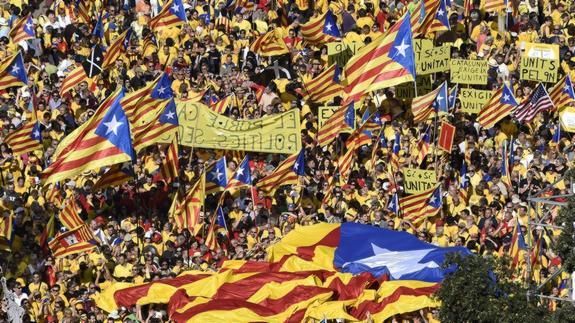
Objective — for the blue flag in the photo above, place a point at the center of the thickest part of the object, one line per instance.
(401, 50)
(218, 174)
(115, 127)
(330, 25)
(299, 165)
(399, 255)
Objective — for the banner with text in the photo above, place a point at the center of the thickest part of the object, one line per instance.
(203, 128)
(418, 180)
(341, 52)
(465, 71)
(473, 100)
(430, 59)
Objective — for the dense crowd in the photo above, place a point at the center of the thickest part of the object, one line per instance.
(137, 240)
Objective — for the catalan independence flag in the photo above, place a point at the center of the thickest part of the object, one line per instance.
(499, 106)
(69, 216)
(23, 29)
(81, 12)
(415, 208)
(325, 86)
(269, 44)
(422, 106)
(13, 72)
(287, 173)
(72, 242)
(185, 210)
(221, 106)
(423, 17)
(108, 143)
(242, 176)
(385, 62)
(72, 79)
(217, 176)
(115, 176)
(165, 123)
(171, 163)
(321, 29)
(172, 14)
(25, 139)
(343, 118)
(142, 105)
(423, 146)
(562, 93)
(441, 21)
(118, 47)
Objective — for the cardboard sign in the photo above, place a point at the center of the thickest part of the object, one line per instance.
(418, 180)
(341, 52)
(407, 90)
(429, 59)
(539, 69)
(204, 128)
(465, 71)
(473, 100)
(567, 119)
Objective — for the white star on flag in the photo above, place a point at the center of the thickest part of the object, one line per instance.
(240, 171)
(506, 97)
(29, 25)
(113, 125)
(161, 90)
(36, 134)
(15, 69)
(401, 48)
(440, 12)
(328, 27)
(439, 98)
(175, 8)
(296, 166)
(170, 115)
(566, 88)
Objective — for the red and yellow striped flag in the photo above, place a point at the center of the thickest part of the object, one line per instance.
(373, 68)
(325, 86)
(499, 106)
(69, 216)
(25, 139)
(186, 212)
(72, 242)
(22, 29)
(422, 106)
(163, 124)
(117, 48)
(172, 15)
(222, 105)
(562, 93)
(416, 208)
(115, 176)
(107, 143)
(75, 77)
(494, 5)
(283, 175)
(269, 44)
(335, 124)
(321, 29)
(171, 163)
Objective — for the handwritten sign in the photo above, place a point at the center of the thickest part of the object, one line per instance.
(201, 127)
(473, 100)
(418, 180)
(567, 118)
(341, 52)
(539, 69)
(465, 71)
(430, 59)
(407, 90)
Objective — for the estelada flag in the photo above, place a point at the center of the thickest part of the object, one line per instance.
(446, 135)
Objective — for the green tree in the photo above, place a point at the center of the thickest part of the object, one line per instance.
(473, 294)
(565, 244)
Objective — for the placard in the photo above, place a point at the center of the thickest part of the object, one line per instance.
(472, 100)
(407, 90)
(418, 180)
(429, 59)
(466, 71)
(539, 69)
(341, 52)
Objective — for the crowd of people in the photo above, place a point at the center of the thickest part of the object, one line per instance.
(136, 239)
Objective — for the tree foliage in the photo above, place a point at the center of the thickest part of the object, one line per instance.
(481, 290)
(565, 244)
